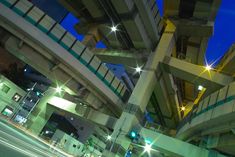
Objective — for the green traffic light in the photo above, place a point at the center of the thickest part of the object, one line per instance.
(133, 134)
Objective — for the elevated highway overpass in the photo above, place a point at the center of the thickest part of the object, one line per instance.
(212, 119)
(60, 57)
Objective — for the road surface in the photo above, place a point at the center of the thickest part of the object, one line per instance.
(14, 143)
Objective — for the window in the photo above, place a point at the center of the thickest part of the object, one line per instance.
(16, 97)
(7, 111)
(4, 88)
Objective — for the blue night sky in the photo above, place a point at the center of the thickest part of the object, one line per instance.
(224, 31)
(69, 22)
(219, 43)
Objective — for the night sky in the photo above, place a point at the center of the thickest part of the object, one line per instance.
(219, 43)
(224, 31)
(69, 22)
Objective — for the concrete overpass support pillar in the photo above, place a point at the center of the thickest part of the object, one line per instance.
(143, 90)
(41, 114)
(167, 100)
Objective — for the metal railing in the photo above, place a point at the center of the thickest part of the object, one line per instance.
(211, 102)
(56, 32)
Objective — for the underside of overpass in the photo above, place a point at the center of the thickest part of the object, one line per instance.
(170, 51)
(194, 21)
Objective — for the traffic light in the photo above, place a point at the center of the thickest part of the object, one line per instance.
(134, 136)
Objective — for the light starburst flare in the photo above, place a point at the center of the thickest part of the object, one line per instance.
(147, 147)
(114, 28)
(109, 137)
(58, 89)
(138, 69)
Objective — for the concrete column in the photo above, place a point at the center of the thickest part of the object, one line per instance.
(144, 87)
(147, 81)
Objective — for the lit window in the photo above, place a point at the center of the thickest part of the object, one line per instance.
(16, 97)
(7, 111)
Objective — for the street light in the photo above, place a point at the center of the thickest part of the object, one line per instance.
(200, 87)
(109, 137)
(147, 147)
(183, 108)
(58, 89)
(114, 28)
(208, 67)
(138, 69)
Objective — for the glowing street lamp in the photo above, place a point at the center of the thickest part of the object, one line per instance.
(114, 28)
(58, 89)
(208, 67)
(200, 88)
(109, 137)
(147, 147)
(138, 69)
